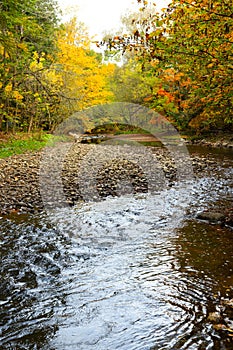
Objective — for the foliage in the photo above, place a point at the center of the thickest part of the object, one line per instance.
(27, 45)
(178, 63)
(199, 44)
(84, 77)
(189, 48)
(130, 84)
(47, 70)
(117, 129)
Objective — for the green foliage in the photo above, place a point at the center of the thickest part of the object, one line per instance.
(47, 71)
(117, 129)
(198, 42)
(27, 47)
(130, 84)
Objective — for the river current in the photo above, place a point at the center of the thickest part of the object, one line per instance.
(131, 272)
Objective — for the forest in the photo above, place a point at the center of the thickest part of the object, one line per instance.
(177, 62)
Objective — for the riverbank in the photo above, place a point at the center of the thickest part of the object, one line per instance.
(11, 144)
(21, 175)
(215, 141)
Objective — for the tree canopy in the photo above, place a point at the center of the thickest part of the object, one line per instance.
(27, 39)
(48, 70)
(189, 47)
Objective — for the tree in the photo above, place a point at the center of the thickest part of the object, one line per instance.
(136, 80)
(198, 42)
(129, 84)
(27, 29)
(189, 47)
(85, 78)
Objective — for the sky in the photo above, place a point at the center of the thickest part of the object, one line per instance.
(101, 15)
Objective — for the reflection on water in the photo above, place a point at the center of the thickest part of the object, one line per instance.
(209, 249)
(126, 273)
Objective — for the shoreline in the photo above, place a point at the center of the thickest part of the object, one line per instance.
(20, 176)
(222, 143)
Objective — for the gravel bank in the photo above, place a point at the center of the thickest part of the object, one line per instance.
(222, 143)
(22, 176)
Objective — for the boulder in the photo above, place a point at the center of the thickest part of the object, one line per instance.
(211, 216)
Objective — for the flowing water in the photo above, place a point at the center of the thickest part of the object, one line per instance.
(133, 272)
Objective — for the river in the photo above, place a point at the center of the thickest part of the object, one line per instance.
(129, 272)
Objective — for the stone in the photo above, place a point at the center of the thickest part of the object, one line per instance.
(211, 216)
(214, 316)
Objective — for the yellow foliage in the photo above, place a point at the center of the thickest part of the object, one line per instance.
(34, 66)
(8, 88)
(83, 77)
(54, 78)
(23, 46)
(17, 95)
(35, 55)
(38, 61)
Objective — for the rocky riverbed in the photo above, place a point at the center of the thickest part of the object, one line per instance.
(139, 271)
(116, 170)
(226, 142)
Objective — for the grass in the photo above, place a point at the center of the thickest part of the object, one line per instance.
(21, 143)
